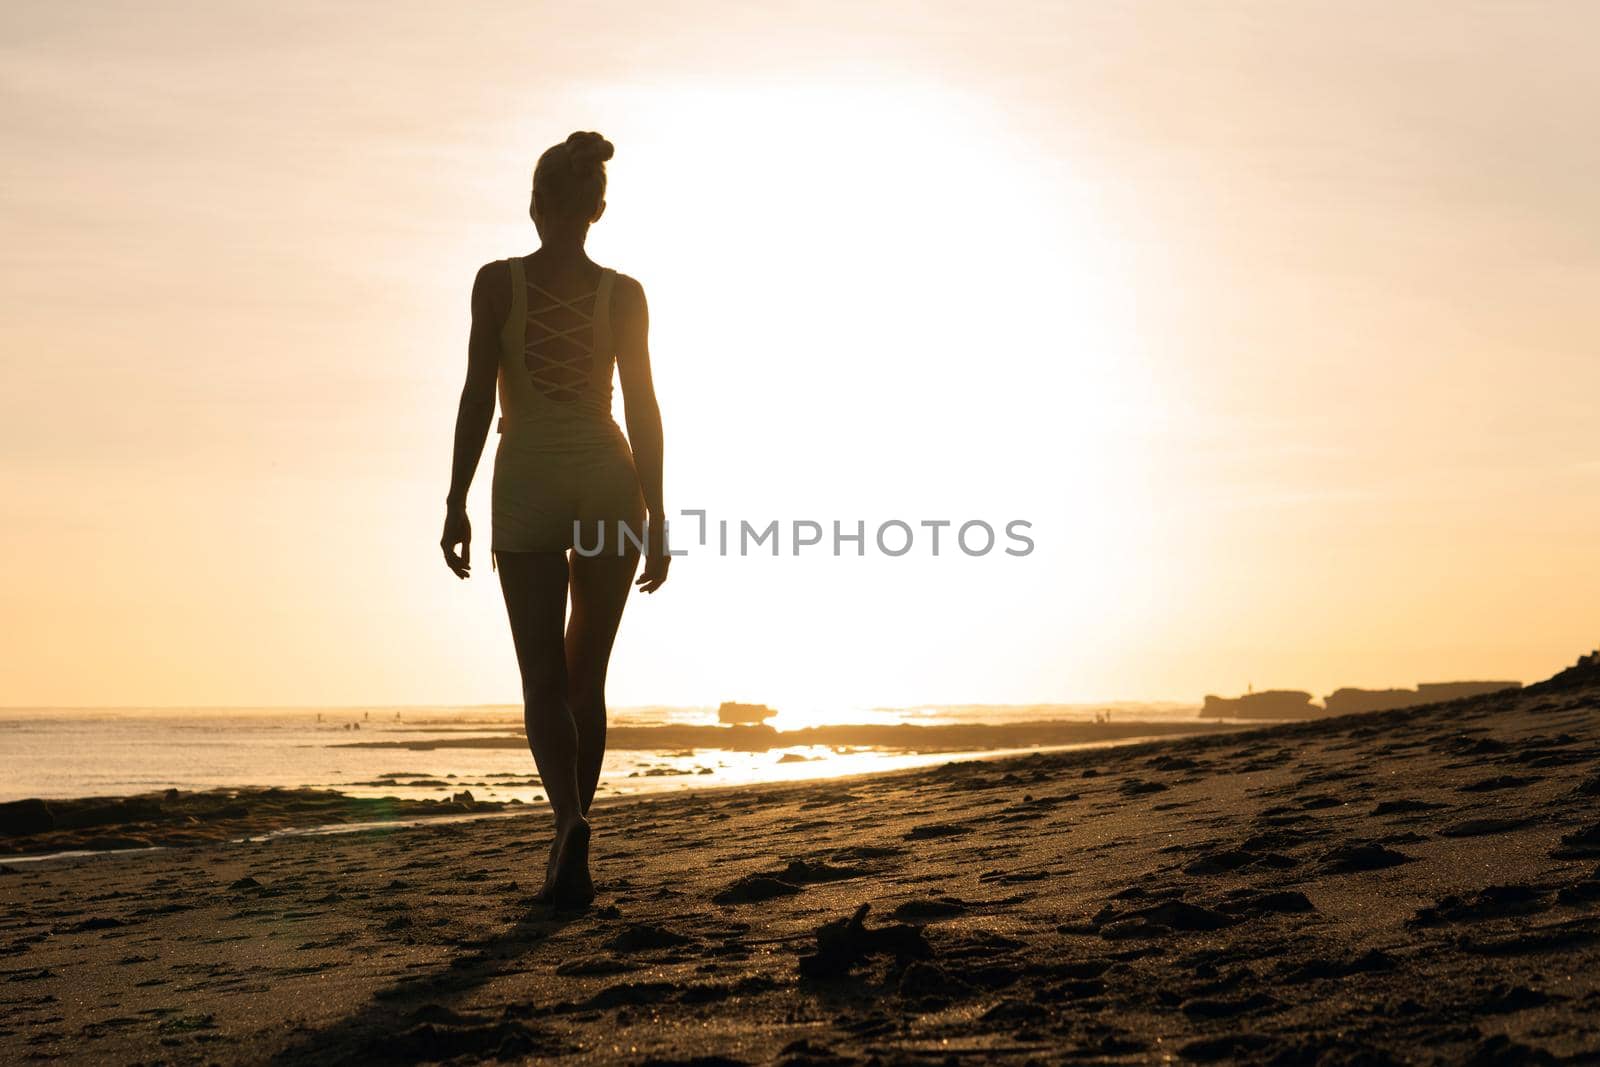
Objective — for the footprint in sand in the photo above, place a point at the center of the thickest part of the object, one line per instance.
(785, 883)
(1580, 844)
(1481, 827)
(1015, 877)
(1348, 859)
(1583, 892)
(754, 888)
(1154, 921)
(1280, 902)
(1499, 781)
(1556, 937)
(866, 852)
(1374, 961)
(438, 1033)
(639, 937)
(1404, 806)
(1492, 902)
(931, 831)
(926, 908)
(593, 966)
(1227, 861)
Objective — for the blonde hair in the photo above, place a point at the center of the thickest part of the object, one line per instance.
(570, 179)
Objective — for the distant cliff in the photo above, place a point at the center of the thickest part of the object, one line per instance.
(1351, 701)
(1268, 704)
(1294, 704)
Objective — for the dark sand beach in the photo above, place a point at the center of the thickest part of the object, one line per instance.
(1418, 886)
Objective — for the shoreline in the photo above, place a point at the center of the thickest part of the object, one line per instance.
(269, 825)
(176, 819)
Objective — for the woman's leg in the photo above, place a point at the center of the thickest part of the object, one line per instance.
(535, 589)
(600, 587)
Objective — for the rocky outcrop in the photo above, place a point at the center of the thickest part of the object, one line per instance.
(1268, 704)
(23, 817)
(1349, 701)
(735, 714)
(1581, 675)
(1435, 692)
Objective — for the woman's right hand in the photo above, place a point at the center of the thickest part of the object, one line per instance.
(457, 531)
(656, 558)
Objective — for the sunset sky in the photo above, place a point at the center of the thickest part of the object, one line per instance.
(1277, 321)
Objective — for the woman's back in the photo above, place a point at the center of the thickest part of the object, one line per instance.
(557, 359)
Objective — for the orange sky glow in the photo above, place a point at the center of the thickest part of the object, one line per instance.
(1276, 321)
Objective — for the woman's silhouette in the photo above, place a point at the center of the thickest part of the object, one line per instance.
(549, 327)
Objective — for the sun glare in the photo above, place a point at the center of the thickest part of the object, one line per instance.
(874, 303)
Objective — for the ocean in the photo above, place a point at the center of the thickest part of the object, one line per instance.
(58, 753)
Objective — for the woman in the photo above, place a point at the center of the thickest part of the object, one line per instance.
(549, 327)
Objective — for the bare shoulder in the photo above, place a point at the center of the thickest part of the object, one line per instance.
(494, 272)
(492, 285)
(627, 290)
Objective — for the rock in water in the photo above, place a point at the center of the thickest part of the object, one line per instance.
(735, 714)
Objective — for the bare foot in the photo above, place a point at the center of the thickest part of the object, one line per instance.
(572, 888)
(543, 895)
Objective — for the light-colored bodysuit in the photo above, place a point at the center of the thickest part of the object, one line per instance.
(562, 458)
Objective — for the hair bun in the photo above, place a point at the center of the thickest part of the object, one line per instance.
(570, 177)
(588, 151)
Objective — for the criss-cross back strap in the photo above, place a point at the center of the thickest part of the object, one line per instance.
(562, 302)
(558, 376)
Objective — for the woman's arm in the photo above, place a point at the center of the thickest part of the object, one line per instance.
(475, 412)
(644, 420)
